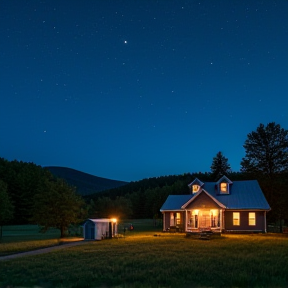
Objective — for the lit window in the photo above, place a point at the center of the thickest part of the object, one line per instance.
(223, 187)
(178, 220)
(195, 188)
(252, 219)
(236, 218)
(193, 222)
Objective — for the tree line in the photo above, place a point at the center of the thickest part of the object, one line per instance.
(30, 194)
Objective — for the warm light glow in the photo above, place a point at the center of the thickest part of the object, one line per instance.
(195, 212)
(252, 219)
(114, 220)
(223, 187)
(214, 212)
(236, 218)
(195, 188)
(178, 220)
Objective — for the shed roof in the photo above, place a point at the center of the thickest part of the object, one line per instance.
(100, 220)
(242, 195)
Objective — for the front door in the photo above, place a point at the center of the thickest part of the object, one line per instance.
(204, 219)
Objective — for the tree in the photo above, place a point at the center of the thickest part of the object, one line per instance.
(220, 166)
(57, 205)
(6, 207)
(120, 207)
(22, 180)
(266, 150)
(267, 160)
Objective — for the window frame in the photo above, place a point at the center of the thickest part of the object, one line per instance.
(195, 188)
(178, 218)
(236, 220)
(252, 220)
(222, 189)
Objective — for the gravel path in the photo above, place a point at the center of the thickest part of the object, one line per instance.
(43, 250)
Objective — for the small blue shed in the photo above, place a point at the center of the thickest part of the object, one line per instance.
(97, 229)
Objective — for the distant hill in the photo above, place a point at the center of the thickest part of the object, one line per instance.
(85, 184)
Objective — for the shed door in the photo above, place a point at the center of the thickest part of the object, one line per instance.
(89, 231)
(92, 231)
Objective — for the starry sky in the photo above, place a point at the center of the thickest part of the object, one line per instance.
(128, 90)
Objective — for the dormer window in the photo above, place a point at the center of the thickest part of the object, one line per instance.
(195, 188)
(223, 187)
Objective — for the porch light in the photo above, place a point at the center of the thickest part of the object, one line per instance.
(213, 212)
(196, 211)
(114, 220)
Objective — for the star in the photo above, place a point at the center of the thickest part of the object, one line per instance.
(125, 41)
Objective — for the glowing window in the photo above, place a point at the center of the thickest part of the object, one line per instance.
(178, 220)
(236, 218)
(252, 219)
(224, 187)
(195, 188)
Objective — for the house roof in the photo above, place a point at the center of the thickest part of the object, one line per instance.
(242, 195)
(196, 182)
(224, 179)
(174, 202)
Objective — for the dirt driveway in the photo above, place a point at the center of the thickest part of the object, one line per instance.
(44, 250)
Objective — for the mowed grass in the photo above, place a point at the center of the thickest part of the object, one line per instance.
(154, 259)
(21, 238)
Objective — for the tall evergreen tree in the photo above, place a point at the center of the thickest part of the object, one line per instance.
(220, 166)
(267, 160)
(266, 150)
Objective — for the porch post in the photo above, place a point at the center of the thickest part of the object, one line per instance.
(265, 221)
(185, 220)
(221, 220)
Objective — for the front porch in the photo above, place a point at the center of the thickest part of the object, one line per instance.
(194, 221)
(199, 220)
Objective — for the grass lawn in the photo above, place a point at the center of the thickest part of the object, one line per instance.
(21, 238)
(142, 259)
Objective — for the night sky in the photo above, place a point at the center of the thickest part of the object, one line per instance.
(128, 90)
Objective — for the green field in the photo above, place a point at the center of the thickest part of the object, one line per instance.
(146, 258)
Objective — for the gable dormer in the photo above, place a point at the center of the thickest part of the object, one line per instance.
(195, 186)
(224, 185)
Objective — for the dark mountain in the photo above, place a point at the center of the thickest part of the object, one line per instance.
(85, 184)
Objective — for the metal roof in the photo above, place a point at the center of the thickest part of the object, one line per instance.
(99, 220)
(242, 195)
(174, 202)
(208, 194)
(196, 182)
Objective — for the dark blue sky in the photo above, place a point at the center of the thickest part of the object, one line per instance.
(134, 89)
